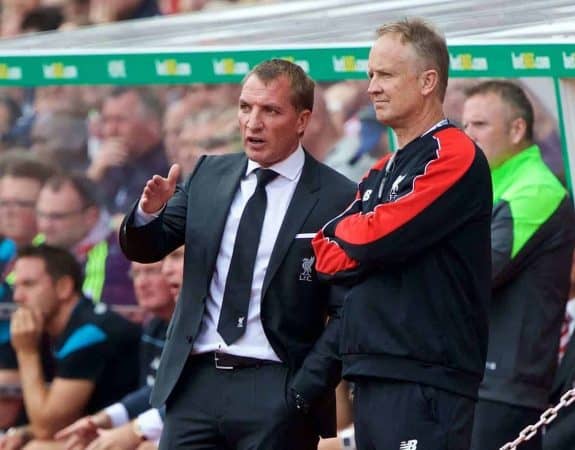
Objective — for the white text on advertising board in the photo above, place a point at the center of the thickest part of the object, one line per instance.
(58, 71)
(10, 72)
(466, 61)
(173, 68)
(117, 69)
(529, 60)
(349, 63)
(569, 60)
(229, 66)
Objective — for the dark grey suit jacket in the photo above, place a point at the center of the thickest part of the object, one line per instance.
(295, 305)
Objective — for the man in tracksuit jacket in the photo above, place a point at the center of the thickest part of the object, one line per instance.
(532, 235)
(414, 247)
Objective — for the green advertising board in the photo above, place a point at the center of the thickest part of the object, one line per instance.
(323, 64)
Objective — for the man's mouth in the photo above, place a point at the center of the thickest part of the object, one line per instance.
(255, 141)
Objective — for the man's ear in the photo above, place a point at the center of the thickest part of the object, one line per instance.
(303, 121)
(517, 130)
(428, 81)
(65, 287)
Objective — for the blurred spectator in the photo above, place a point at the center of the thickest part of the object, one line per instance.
(42, 18)
(180, 6)
(545, 127)
(173, 121)
(532, 239)
(45, 101)
(76, 13)
(156, 293)
(9, 113)
(95, 351)
(344, 100)
(212, 131)
(60, 99)
(321, 134)
(13, 11)
(455, 96)
(131, 150)
(351, 155)
(21, 178)
(61, 138)
(70, 215)
(114, 10)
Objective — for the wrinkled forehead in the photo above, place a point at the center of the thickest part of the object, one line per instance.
(277, 88)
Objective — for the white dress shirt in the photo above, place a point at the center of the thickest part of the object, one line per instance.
(118, 414)
(254, 342)
(151, 424)
(279, 191)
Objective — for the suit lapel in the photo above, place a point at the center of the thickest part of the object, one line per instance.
(304, 199)
(218, 202)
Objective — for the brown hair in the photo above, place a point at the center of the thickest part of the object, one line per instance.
(59, 262)
(302, 86)
(511, 94)
(84, 187)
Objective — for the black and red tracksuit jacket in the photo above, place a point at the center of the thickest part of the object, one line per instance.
(414, 247)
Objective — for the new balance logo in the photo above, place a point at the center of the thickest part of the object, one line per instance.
(408, 445)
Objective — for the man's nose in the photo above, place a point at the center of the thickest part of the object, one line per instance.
(373, 86)
(254, 121)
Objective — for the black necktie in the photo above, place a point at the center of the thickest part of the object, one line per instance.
(234, 313)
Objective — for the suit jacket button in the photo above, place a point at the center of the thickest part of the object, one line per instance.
(189, 339)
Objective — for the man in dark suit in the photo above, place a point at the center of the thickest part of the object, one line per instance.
(249, 362)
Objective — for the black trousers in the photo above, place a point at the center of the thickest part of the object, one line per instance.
(239, 409)
(397, 415)
(498, 423)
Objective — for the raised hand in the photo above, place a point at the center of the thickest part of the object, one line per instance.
(112, 153)
(26, 330)
(159, 190)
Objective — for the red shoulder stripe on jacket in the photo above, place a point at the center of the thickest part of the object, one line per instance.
(454, 156)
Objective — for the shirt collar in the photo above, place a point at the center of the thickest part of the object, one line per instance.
(289, 168)
(441, 123)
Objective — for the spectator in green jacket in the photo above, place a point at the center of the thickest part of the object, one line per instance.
(532, 238)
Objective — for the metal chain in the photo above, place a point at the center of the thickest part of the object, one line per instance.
(546, 418)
